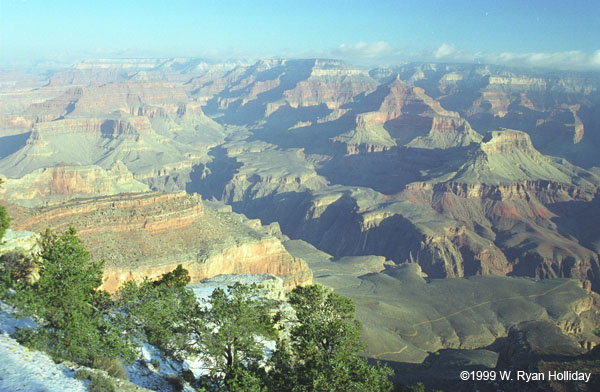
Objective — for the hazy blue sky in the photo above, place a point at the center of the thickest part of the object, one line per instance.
(541, 32)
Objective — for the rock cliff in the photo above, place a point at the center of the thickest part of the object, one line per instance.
(62, 182)
(146, 235)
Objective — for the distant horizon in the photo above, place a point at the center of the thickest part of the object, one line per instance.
(43, 66)
(538, 33)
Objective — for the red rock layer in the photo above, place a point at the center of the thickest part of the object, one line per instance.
(146, 235)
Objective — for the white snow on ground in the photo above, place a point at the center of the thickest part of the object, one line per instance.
(145, 373)
(9, 323)
(25, 370)
(272, 284)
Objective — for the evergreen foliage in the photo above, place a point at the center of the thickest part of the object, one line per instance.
(4, 222)
(15, 273)
(231, 329)
(79, 322)
(4, 219)
(72, 314)
(419, 387)
(243, 380)
(321, 354)
(17, 266)
(224, 331)
(179, 277)
(158, 312)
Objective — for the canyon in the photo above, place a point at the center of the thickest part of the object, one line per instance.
(425, 192)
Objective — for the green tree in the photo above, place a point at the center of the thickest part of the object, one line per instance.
(4, 219)
(321, 354)
(160, 312)
(243, 380)
(230, 330)
(225, 331)
(15, 273)
(179, 277)
(73, 315)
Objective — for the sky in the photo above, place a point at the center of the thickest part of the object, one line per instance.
(547, 33)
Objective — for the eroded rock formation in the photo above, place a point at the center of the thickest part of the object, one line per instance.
(146, 235)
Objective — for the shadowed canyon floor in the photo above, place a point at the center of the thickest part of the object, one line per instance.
(431, 329)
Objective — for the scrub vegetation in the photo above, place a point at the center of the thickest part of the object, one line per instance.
(317, 336)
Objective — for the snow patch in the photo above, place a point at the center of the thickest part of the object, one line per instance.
(26, 370)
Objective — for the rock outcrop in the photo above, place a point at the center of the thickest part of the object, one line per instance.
(147, 235)
(540, 347)
(25, 242)
(531, 341)
(402, 114)
(62, 182)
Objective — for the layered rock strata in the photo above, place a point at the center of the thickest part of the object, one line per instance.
(147, 235)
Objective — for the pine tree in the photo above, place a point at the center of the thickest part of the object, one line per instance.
(231, 331)
(321, 354)
(72, 313)
(159, 312)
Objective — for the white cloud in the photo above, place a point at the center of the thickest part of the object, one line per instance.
(569, 60)
(445, 50)
(362, 50)
(596, 58)
(382, 53)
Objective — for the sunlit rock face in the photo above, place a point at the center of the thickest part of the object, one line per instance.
(147, 235)
(461, 144)
(25, 242)
(61, 182)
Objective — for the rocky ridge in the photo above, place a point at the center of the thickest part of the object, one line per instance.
(146, 235)
(510, 184)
